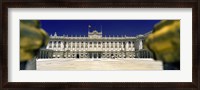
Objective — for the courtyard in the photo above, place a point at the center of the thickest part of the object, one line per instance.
(98, 64)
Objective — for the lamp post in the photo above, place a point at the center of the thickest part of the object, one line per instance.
(124, 43)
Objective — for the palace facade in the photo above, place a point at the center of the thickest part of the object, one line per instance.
(94, 45)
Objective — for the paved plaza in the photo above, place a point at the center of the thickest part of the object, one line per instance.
(98, 64)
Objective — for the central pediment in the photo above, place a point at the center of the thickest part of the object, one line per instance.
(95, 34)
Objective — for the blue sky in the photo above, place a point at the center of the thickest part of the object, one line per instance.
(109, 27)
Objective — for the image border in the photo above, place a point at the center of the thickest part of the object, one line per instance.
(195, 43)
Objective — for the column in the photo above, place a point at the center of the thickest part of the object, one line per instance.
(84, 45)
(101, 44)
(47, 54)
(75, 44)
(50, 54)
(80, 43)
(40, 54)
(140, 44)
(92, 44)
(139, 54)
(56, 45)
(44, 54)
(105, 45)
(118, 45)
(131, 45)
(61, 48)
(97, 44)
(52, 44)
(146, 54)
(109, 45)
(88, 44)
(127, 44)
(143, 54)
(112, 45)
(97, 55)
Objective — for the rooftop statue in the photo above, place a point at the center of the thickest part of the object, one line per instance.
(32, 38)
(164, 42)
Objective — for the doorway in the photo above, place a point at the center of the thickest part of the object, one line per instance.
(77, 56)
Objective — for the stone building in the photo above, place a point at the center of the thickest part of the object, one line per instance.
(94, 45)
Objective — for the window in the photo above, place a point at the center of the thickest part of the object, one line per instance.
(64, 44)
